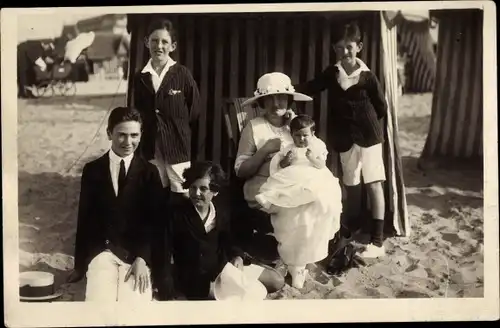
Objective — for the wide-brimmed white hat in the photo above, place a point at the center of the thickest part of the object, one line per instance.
(37, 286)
(275, 83)
(233, 285)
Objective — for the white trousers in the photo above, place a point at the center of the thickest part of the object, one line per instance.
(106, 281)
(359, 161)
(170, 175)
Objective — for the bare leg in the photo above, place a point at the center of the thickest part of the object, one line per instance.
(377, 200)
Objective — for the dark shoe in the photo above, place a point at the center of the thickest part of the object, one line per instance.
(338, 243)
(344, 260)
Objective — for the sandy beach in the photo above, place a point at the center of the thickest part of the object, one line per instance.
(442, 258)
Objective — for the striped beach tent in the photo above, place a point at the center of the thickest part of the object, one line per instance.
(456, 129)
(227, 53)
(415, 39)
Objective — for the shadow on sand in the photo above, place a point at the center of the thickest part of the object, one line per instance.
(466, 176)
(48, 206)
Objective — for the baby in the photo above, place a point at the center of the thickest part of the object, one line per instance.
(303, 198)
(307, 149)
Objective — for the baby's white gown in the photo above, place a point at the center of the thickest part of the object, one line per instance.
(307, 205)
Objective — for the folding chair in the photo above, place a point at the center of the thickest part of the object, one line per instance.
(236, 117)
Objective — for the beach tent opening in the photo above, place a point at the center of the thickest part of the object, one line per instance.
(228, 52)
(415, 40)
(456, 129)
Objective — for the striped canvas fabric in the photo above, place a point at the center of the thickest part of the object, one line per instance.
(394, 169)
(456, 128)
(228, 53)
(416, 39)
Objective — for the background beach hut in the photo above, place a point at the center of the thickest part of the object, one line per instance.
(416, 41)
(456, 129)
(228, 52)
(107, 55)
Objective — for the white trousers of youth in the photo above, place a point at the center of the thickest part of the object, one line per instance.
(106, 281)
(360, 161)
(170, 175)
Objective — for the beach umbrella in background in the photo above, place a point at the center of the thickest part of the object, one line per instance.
(75, 47)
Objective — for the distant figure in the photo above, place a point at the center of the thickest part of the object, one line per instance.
(120, 201)
(30, 60)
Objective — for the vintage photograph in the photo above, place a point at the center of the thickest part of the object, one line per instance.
(251, 155)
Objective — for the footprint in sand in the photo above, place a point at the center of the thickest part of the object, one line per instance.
(466, 227)
(411, 294)
(453, 238)
(374, 293)
(426, 218)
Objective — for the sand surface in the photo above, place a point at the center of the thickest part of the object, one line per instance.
(442, 258)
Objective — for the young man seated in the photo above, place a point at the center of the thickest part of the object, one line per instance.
(120, 201)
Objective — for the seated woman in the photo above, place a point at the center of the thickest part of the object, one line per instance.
(197, 234)
(261, 139)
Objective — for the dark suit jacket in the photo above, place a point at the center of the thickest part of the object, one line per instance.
(356, 114)
(121, 223)
(171, 115)
(198, 256)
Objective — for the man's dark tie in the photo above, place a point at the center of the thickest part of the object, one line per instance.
(121, 177)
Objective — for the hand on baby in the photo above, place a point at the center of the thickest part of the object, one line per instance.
(287, 159)
(272, 145)
(290, 156)
(289, 115)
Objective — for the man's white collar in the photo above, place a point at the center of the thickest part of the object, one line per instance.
(149, 67)
(362, 68)
(116, 159)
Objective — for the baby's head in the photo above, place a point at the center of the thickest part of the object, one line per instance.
(302, 129)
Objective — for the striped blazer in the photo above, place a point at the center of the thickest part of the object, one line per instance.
(170, 115)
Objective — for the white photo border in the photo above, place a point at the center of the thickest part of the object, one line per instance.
(280, 311)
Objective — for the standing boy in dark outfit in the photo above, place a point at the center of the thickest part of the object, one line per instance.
(355, 130)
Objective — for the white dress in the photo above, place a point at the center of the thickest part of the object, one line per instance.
(305, 205)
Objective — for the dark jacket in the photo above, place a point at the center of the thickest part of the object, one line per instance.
(121, 223)
(356, 114)
(198, 256)
(173, 116)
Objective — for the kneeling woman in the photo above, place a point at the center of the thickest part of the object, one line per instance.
(197, 234)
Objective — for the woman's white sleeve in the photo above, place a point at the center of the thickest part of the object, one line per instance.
(246, 147)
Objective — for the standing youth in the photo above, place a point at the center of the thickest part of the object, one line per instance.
(356, 131)
(167, 96)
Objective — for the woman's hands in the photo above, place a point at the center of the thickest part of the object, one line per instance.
(272, 146)
(287, 160)
(289, 116)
